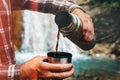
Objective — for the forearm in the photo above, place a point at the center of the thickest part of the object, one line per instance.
(10, 72)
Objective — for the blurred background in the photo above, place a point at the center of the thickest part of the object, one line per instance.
(35, 34)
(106, 18)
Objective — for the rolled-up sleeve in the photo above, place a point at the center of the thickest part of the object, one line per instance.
(50, 6)
(10, 72)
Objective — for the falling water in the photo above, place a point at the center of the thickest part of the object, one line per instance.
(40, 36)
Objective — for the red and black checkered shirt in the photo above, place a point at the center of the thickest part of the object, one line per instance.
(9, 70)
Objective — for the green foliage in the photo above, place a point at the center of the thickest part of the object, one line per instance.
(106, 19)
(107, 3)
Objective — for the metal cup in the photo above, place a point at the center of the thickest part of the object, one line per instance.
(59, 57)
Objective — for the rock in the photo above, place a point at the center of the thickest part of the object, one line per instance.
(17, 28)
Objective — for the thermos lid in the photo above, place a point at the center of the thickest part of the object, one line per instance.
(63, 19)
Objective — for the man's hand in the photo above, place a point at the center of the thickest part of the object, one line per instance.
(87, 25)
(38, 68)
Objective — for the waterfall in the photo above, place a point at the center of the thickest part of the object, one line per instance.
(40, 36)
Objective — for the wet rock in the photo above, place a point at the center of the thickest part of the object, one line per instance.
(17, 28)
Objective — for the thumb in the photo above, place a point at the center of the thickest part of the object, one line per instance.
(34, 76)
(43, 58)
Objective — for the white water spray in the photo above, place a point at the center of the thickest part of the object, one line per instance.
(40, 36)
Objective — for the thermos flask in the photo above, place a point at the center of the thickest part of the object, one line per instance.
(70, 26)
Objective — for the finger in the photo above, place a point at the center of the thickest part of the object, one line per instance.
(63, 75)
(85, 28)
(88, 26)
(43, 58)
(35, 77)
(56, 75)
(88, 33)
(88, 37)
(59, 67)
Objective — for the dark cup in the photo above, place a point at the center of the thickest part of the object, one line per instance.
(59, 57)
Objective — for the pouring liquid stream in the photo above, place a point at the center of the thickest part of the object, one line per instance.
(58, 37)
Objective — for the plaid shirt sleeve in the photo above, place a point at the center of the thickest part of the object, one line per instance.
(10, 72)
(50, 6)
(8, 69)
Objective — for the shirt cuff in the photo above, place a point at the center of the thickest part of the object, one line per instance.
(14, 72)
(75, 6)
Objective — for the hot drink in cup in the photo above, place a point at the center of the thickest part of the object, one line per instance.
(59, 57)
